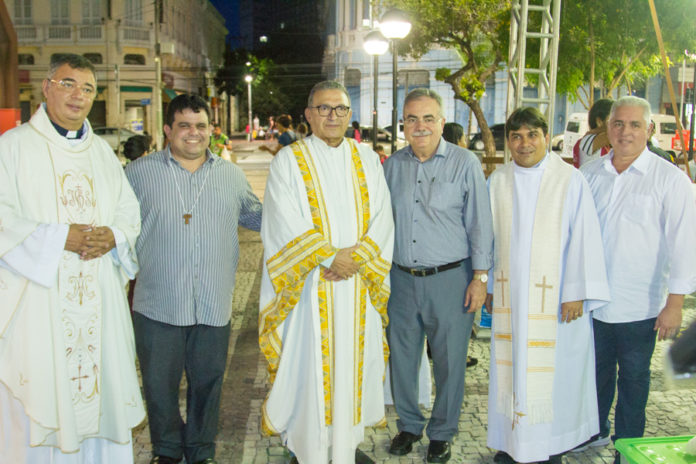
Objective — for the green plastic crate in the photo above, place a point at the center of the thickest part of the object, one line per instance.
(658, 450)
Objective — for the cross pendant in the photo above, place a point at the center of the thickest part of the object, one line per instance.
(186, 217)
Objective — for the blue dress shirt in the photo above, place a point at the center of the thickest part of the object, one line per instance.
(442, 213)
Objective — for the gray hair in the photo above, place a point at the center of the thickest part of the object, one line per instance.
(630, 100)
(326, 85)
(72, 60)
(422, 92)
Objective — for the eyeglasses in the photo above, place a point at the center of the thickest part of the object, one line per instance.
(325, 110)
(428, 120)
(70, 86)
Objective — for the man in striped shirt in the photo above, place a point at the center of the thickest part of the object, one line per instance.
(191, 204)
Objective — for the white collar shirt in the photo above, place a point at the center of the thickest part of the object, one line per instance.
(648, 217)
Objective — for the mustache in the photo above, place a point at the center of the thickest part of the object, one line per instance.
(422, 133)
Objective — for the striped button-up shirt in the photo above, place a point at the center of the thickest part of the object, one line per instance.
(188, 265)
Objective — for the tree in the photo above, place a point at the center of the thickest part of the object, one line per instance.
(267, 99)
(477, 30)
(607, 43)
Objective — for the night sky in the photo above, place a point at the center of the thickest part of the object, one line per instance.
(230, 10)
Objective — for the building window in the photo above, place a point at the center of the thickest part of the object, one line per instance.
(94, 58)
(25, 58)
(22, 12)
(91, 12)
(134, 12)
(134, 59)
(60, 12)
(366, 14)
(353, 14)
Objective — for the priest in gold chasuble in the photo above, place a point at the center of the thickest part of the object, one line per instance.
(327, 230)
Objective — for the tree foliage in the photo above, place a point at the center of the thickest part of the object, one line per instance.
(477, 30)
(608, 43)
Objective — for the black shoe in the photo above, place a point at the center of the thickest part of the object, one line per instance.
(439, 451)
(471, 361)
(164, 460)
(403, 443)
(206, 461)
(593, 442)
(503, 458)
(362, 458)
(617, 458)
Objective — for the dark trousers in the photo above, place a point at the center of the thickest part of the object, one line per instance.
(629, 346)
(431, 306)
(165, 352)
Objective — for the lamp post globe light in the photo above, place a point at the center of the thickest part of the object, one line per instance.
(394, 25)
(375, 44)
(248, 78)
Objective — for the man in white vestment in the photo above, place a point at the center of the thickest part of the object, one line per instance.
(647, 214)
(327, 231)
(69, 390)
(547, 277)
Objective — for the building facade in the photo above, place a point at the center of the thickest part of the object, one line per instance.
(118, 36)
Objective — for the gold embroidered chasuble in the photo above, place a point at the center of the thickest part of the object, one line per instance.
(289, 268)
(79, 293)
(67, 352)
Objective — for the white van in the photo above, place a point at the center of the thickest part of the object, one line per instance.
(665, 129)
(576, 127)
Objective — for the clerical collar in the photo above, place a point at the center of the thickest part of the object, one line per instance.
(69, 134)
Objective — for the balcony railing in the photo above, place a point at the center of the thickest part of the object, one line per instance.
(63, 33)
(60, 32)
(136, 34)
(95, 32)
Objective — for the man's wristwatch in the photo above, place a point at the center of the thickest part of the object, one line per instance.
(482, 277)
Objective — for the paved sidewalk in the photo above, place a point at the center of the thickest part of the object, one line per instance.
(670, 411)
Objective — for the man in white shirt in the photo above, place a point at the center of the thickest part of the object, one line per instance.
(647, 215)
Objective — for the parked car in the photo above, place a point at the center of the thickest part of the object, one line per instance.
(111, 135)
(498, 130)
(382, 134)
(399, 134)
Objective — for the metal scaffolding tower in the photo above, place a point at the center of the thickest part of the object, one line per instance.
(549, 27)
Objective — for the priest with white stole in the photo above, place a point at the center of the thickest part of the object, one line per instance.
(327, 232)
(69, 391)
(548, 276)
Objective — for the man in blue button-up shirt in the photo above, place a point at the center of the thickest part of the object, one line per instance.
(443, 249)
(192, 202)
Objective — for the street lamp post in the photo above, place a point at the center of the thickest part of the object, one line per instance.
(375, 44)
(248, 78)
(394, 25)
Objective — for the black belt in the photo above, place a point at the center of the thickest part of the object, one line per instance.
(426, 271)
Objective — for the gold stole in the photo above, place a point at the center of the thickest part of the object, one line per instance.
(289, 268)
(544, 291)
(79, 291)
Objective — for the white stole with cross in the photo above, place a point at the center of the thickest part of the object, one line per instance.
(544, 296)
(79, 291)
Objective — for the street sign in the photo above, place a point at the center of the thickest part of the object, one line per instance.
(144, 101)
